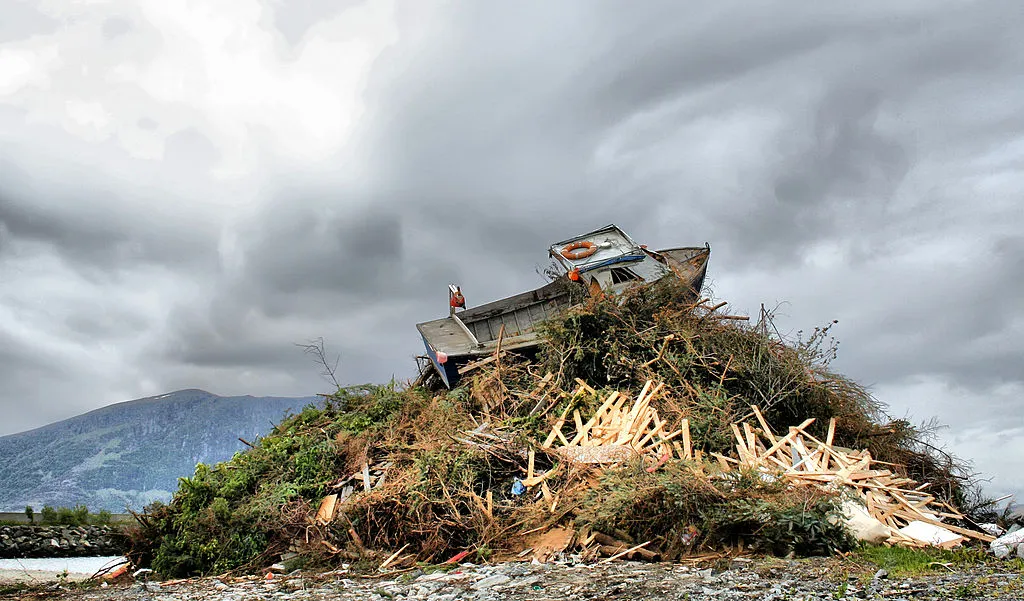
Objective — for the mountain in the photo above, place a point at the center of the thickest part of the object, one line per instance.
(131, 453)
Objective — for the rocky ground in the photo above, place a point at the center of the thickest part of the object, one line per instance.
(762, 580)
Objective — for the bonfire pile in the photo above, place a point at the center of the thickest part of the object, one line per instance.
(643, 427)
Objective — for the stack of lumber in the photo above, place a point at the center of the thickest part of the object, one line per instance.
(804, 460)
(620, 430)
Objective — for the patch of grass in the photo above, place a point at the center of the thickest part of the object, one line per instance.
(903, 561)
(966, 591)
(14, 588)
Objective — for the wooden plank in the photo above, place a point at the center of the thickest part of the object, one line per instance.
(793, 432)
(640, 438)
(685, 427)
(543, 383)
(466, 330)
(535, 480)
(724, 461)
(751, 441)
(808, 459)
(557, 429)
(764, 424)
(388, 561)
(741, 445)
(661, 441)
(657, 429)
(586, 386)
(497, 348)
(529, 464)
(640, 397)
(626, 552)
(325, 514)
(590, 423)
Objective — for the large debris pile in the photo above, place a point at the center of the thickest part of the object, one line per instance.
(644, 427)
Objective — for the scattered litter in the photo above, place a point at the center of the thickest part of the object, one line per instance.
(931, 534)
(1005, 545)
(992, 529)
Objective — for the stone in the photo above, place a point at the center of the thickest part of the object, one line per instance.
(491, 581)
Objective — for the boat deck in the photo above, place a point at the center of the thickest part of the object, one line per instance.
(447, 336)
(518, 314)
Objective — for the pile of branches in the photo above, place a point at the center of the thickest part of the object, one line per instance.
(386, 476)
(717, 365)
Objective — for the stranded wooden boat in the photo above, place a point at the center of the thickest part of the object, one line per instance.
(605, 260)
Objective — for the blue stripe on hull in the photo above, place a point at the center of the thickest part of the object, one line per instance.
(448, 372)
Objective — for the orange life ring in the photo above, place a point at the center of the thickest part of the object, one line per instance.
(573, 251)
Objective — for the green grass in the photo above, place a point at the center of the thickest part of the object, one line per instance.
(902, 561)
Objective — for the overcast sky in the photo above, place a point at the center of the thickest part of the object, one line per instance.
(187, 189)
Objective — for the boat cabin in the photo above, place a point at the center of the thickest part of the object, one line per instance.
(606, 261)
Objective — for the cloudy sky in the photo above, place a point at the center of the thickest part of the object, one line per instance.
(189, 188)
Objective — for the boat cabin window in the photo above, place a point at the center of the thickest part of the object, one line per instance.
(621, 275)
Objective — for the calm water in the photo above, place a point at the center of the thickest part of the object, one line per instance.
(74, 565)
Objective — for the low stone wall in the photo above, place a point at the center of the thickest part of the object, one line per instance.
(19, 517)
(60, 541)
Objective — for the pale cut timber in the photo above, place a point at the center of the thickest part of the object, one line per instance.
(687, 447)
(558, 428)
(764, 424)
(590, 424)
(325, 514)
(792, 433)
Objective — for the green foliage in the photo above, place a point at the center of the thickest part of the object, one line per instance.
(784, 524)
(904, 561)
(78, 515)
(230, 515)
(679, 509)
(30, 513)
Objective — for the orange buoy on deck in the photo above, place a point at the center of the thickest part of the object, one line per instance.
(579, 250)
